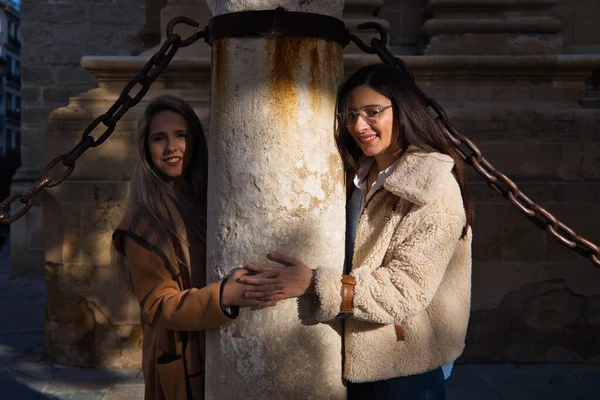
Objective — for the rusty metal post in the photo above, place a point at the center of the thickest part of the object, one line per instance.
(276, 183)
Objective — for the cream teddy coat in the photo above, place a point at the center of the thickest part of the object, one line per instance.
(411, 268)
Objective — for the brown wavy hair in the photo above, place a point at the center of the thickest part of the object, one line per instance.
(149, 207)
(412, 124)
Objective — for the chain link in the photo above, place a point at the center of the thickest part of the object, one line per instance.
(473, 156)
(147, 75)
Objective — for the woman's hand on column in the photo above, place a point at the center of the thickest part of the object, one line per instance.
(297, 278)
(270, 289)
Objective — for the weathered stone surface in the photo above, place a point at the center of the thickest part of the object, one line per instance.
(493, 43)
(55, 37)
(543, 321)
(275, 182)
(502, 233)
(80, 328)
(486, 28)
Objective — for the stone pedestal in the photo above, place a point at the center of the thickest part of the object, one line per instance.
(484, 27)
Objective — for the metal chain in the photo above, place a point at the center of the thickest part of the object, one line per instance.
(159, 61)
(474, 157)
(147, 75)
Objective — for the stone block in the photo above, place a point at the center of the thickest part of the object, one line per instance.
(38, 33)
(71, 12)
(38, 114)
(32, 153)
(91, 35)
(61, 54)
(501, 233)
(585, 27)
(544, 123)
(583, 192)
(527, 160)
(31, 95)
(74, 75)
(98, 223)
(126, 393)
(564, 12)
(580, 161)
(37, 75)
(114, 161)
(56, 95)
(546, 192)
(405, 21)
(493, 44)
(78, 329)
(540, 321)
(102, 14)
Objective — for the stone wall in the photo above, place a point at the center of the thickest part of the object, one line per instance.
(580, 28)
(55, 35)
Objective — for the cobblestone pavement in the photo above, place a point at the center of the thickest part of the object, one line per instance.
(25, 376)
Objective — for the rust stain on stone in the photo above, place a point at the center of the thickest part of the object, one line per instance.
(286, 53)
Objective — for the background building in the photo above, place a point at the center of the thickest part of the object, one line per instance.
(10, 97)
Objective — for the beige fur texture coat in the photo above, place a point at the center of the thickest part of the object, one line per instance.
(412, 268)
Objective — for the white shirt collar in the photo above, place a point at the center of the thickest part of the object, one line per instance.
(360, 179)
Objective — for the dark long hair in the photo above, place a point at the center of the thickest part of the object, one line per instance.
(412, 124)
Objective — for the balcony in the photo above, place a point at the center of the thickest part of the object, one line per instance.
(13, 115)
(14, 42)
(14, 79)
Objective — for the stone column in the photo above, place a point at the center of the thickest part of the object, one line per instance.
(275, 183)
(484, 27)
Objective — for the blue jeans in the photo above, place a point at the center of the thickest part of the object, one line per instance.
(426, 386)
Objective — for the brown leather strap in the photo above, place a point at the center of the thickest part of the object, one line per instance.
(399, 332)
(347, 308)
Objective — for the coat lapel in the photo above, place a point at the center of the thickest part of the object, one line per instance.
(417, 180)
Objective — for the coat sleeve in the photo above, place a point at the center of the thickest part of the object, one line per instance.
(405, 285)
(163, 304)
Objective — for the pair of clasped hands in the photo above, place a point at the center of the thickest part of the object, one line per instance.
(257, 285)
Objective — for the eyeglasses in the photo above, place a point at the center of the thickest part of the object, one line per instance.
(370, 114)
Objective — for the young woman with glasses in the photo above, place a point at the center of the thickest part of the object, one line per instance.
(405, 295)
(160, 245)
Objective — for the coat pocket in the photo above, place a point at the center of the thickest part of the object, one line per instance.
(172, 376)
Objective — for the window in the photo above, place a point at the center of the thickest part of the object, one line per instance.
(9, 65)
(17, 104)
(9, 102)
(18, 69)
(13, 140)
(8, 137)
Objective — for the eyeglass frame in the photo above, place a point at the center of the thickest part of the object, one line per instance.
(359, 112)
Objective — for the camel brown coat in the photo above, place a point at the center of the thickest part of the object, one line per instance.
(176, 307)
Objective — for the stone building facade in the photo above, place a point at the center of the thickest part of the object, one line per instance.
(512, 78)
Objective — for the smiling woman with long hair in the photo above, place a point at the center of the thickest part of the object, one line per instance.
(160, 244)
(405, 294)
